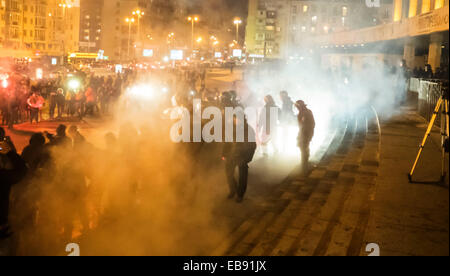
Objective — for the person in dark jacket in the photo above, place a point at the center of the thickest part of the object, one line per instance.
(12, 170)
(287, 111)
(307, 125)
(52, 99)
(267, 125)
(35, 154)
(61, 138)
(239, 155)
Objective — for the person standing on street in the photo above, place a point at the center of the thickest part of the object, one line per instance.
(306, 125)
(239, 155)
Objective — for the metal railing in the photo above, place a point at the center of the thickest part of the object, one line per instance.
(429, 92)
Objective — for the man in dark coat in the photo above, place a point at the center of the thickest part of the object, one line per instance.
(306, 125)
(238, 155)
(12, 170)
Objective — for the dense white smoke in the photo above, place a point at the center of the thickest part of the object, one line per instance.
(329, 92)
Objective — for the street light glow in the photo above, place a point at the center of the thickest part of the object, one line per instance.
(74, 84)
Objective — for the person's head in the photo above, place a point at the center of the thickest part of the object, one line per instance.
(234, 95)
(226, 99)
(283, 94)
(300, 105)
(2, 134)
(269, 100)
(37, 139)
(61, 130)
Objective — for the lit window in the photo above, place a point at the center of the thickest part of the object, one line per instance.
(303, 28)
(305, 8)
(314, 19)
(344, 11)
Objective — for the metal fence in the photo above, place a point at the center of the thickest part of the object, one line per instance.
(429, 92)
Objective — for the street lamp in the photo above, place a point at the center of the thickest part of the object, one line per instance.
(139, 14)
(193, 19)
(129, 21)
(237, 22)
(64, 6)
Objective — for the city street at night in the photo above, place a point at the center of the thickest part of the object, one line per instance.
(253, 128)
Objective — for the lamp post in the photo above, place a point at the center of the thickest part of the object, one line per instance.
(139, 14)
(64, 6)
(237, 22)
(193, 20)
(129, 21)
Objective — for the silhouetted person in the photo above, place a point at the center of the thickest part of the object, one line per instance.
(239, 155)
(35, 154)
(306, 125)
(12, 170)
(61, 138)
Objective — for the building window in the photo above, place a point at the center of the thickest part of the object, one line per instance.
(305, 8)
(314, 19)
(344, 11)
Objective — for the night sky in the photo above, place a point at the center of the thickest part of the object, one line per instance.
(219, 8)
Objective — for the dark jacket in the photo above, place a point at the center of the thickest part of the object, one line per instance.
(9, 177)
(241, 152)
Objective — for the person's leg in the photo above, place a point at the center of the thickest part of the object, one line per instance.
(305, 153)
(229, 171)
(36, 116)
(243, 179)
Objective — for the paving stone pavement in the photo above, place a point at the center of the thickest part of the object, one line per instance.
(358, 194)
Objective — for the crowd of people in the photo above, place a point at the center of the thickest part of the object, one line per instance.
(428, 73)
(62, 178)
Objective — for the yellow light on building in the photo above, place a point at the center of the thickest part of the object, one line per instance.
(426, 4)
(438, 4)
(412, 8)
(398, 10)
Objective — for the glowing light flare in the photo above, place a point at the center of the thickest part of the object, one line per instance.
(74, 84)
(39, 74)
(5, 83)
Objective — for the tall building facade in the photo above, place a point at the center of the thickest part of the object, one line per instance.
(267, 26)
(90, 25)
(125, 40)
(281, 28)
(35, 28)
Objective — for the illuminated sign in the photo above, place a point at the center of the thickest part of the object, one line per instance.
(100, 54)
(147, 53)
(176, 54)
(54, 61)
(84, 55)
(119, 68)
(237, 53)
(217, 54)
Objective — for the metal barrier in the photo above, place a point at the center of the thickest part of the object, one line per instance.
(429, 92)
